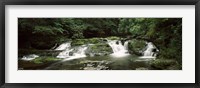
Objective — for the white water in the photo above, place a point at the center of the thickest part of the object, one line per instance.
(76, 52)
(65, 53)
(70, 53)
(29, 57)
(148, 53)
(126, 45)
(118, 49)
(64, 46)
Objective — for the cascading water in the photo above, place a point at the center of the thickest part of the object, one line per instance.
(65, 53)
(71, 53)
(126, 45)
(79, 51)
(148, 51)
(151, 51)
(64, 46)
(29, 57)
(118, 49)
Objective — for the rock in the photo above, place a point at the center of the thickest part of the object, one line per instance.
(136, 46)
(71, 53)
(78, 42)
(165, 64)
(99, 50)
(113, 38)
(141, 68)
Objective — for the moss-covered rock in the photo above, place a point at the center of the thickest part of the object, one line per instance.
(165, 64)
(79, 42)
(136, 46)
(41, 60)
(99, 50)
(113, 38)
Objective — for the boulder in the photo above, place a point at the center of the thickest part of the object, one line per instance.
(136, 46)
(99, 50)
(78, 42)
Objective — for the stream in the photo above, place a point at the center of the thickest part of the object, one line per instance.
(84, 57)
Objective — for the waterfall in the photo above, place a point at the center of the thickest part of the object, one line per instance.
(151, 51)
(65, 53)
(80, 51)
(126, 45)
(71, 53)
(29, 57)
(118, 49)
(64, 46)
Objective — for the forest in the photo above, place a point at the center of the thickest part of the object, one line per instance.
(50, 43)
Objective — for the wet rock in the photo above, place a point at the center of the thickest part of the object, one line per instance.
(141, 68)
(71, 53)
(95, 65)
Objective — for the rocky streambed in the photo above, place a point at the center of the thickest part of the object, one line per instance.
(111, 53)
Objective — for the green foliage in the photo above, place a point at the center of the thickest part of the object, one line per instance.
(44, 33)
(56, 28)
(38, 32)
(165, 33)
(47, 30)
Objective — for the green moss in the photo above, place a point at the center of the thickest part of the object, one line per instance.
(79, 42)
(41, 60)
(95, 40)
(113, 38)
(99, 49)
(165, 64)
(136, 46)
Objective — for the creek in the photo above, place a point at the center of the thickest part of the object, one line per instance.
(84, 57)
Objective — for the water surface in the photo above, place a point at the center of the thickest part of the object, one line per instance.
(110, 62)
